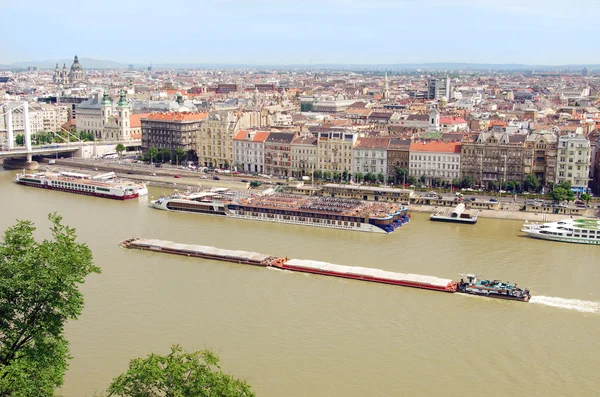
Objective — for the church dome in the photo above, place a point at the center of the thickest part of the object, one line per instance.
(76, 65)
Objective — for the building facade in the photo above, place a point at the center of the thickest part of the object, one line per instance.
(573, 161)
(437, 88)
(492, 158)
(435, 160)
(397, 157)
(334, 150)
(304, 155)
(370, 156)
(278, 153)
(249, 151)
(215, 141)
(171, 131)
(539, 156)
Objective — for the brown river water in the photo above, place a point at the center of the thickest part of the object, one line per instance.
(296, 335)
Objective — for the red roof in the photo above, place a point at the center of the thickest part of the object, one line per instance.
(435, 146)
(452, 120)
(259, 136)
(135, 120)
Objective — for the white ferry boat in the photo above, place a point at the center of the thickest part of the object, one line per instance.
(458, 215)
(337, 213)
(83, 184)
(582, 231)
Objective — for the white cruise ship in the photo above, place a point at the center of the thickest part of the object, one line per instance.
(582, 231)
(337, 213)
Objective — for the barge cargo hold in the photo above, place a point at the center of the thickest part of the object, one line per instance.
(297, 265)
(369, 274)
(201, 251)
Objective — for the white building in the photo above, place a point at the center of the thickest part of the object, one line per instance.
(249, 150)
(440, 160)
(334, 150)
(370, 156)
(42, 117)
(573, 161)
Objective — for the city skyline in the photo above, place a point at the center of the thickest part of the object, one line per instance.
(268, 32)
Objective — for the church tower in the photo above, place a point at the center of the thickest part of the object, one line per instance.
(386, 87)
(434, 119)
(124, 112)
(106, 107)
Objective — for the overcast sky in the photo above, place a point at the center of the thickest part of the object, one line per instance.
(549, 32)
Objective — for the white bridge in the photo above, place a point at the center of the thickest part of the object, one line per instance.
(78, 148)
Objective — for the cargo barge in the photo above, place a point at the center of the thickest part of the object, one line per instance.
(328, 269)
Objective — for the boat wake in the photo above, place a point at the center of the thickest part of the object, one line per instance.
(570, 304)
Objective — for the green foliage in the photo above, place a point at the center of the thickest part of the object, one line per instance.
(380, 177)
(20, 140)
(422, 179)
(411, 180)
(466, 182)
(586, 197)
(337, 176)
(326, 175)
(559, 193)
(531, 184)
(152, 153)
(318, 174)
(493, 185)
(180, 155)
(345, 175)
(39, 293)
(400, 174)
(180, 374)
(120, 149)
(370, 177)
(164, 155)
(511, 186)
(226, 165)
(360, 177)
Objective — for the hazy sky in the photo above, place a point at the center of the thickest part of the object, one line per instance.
(295, 31)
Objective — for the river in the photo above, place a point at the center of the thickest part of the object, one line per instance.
(297, 335)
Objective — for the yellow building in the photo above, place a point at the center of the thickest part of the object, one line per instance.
(334, 150)
(215, 141)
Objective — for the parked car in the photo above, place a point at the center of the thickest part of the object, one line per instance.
(216, 178)
(493, 200)
(244, 181)
(176, 176)
(255, 183)
(472, 199)
(153, 174)
(202, 176)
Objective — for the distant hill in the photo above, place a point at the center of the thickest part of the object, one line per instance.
(87, 63)
(90, 63)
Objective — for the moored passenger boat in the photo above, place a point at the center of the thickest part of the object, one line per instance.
(582, 231)
(458, 215)
(337, 213)
(82, 184)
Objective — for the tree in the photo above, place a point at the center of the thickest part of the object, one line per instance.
(327, 175)
(345, 175)
(586, 197)
(400, 174)
(164, 155)
(318, 174)
(337, 176)
(380, 177)
(359, 177)
(179, 373)
(152, 152)
(20, 140)
(120, 149)
(370, 177)
(179, 155)
(531, 184)
(493, 185)
(411, 180)
(466, 182)
(39, 293)
(561, 194)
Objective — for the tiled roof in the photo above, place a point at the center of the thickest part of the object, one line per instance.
(399, 144)
(452, 120)
(372, 143)
(435, 146)
(135, 120)
(418, 117)
(280, 137)
(176, 116)
(259, 136)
